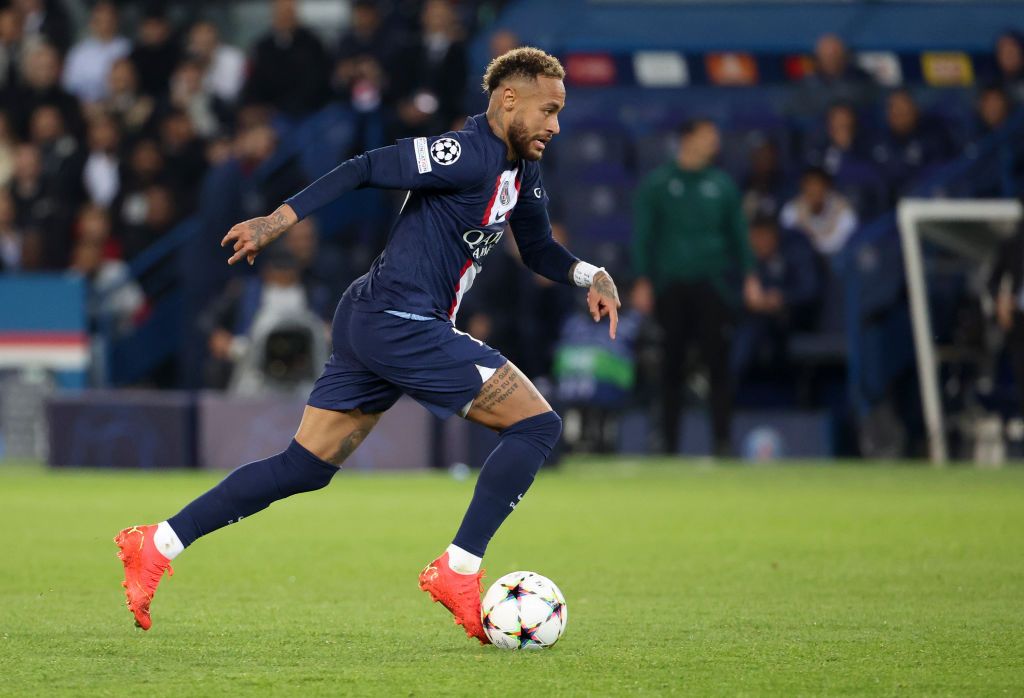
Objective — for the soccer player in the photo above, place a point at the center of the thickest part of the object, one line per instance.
(394, 330)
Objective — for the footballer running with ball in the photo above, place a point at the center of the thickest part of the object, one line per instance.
(394, 330)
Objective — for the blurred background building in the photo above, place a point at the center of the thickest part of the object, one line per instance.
(134, 134)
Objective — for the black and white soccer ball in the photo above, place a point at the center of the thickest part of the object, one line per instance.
(445, 151)
(524, 611)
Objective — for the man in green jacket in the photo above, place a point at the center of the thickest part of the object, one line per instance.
(690, 250)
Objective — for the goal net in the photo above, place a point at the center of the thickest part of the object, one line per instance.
(967, 234)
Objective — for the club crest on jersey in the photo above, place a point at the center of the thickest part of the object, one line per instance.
(503, 198)
(481, 242)
(445, 151)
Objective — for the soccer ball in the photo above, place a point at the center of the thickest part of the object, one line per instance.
(524, 611)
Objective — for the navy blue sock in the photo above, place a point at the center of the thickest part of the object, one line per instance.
(252, 488)
(505, 477)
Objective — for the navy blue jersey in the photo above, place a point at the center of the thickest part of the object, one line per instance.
(462, 192)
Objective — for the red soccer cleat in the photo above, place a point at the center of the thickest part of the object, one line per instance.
(144, 566)
(459, 593)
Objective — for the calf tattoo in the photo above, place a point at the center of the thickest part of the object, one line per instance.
(348, 445)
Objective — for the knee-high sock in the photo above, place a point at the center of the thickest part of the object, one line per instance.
(507, 474)
(252, 488)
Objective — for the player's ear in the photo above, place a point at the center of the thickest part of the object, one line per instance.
(508, 97)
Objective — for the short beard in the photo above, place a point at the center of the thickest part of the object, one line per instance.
(520, 140)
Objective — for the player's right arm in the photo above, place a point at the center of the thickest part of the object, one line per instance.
(446, 162)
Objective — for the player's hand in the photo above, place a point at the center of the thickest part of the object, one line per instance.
(251, 236)
(603, 299)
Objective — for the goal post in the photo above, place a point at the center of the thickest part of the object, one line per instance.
(969, 228)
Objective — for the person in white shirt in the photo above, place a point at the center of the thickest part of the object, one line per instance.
(223, 65)
(101, 175)
(89, 61)
(821, 213)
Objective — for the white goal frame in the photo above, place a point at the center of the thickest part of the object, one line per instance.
(911, 214)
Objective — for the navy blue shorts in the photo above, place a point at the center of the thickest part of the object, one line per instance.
(378, 356)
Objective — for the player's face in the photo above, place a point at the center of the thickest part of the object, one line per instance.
(535, 118)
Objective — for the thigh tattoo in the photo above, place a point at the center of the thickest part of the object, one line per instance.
(502, 386)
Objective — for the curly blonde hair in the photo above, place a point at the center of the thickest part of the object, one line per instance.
(523, 62)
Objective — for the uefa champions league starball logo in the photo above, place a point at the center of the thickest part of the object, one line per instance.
(445, 151)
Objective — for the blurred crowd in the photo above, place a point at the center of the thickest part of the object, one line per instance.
(105, 138)
(111, 136)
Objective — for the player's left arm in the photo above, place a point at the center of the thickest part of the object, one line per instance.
(545, 256)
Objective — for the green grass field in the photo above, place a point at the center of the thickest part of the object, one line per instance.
(734, 580)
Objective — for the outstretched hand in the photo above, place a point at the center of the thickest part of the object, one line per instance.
(251, 236)
(603, 299)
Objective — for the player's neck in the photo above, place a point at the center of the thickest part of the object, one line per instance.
(497, 122)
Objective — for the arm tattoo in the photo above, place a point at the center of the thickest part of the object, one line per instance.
(604, 286)
(349, 444)
(265, 230)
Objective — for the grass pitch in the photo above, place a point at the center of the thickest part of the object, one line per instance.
(788, 580)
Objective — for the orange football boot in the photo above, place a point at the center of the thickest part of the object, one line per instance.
(459, 593)
(144, 566)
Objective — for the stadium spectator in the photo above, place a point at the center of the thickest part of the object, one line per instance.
(133, 110)
(820, 213)
(432, 79)
(90, 60)
(844, 153)
(1006, 285)
(40, 211)
(272, 180)
(763, 191)
(154, 218)
(993, 109)
(789, 273)
(45, 21)
(841, 143)
(365, 59)
(188, 94)
(184, 156)
(41, 86)
(223, 65)
(689, 239)
(317, 266)
(101, 173)
(11, 236)
(144, 168)
(62, 158)
(545, 307)
(156, 51)
(7, 143)
(835, 78)
(909, 144)
(503, 41)
(32, 202)
(10, 51)
(113, 297)
(289, 65)
(232, 319)
(1010, 64)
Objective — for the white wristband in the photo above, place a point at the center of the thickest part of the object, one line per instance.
(583, 274)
